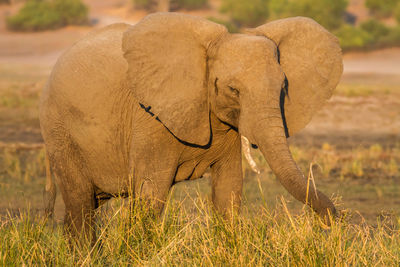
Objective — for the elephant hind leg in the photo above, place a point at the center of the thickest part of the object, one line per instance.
(50, 192)
(78, 194)
(79, 217)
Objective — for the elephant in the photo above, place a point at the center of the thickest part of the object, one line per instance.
(134, 109)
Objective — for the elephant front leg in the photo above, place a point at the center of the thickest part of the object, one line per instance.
(151, 189)
(154, 163)
(227, 181)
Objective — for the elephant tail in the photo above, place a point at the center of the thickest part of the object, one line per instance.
(50, 191)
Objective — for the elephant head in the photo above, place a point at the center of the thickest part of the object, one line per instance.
(267, 83)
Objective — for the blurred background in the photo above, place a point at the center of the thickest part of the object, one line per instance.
(352, 145)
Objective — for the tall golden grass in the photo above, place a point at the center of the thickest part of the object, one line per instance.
(261, 236)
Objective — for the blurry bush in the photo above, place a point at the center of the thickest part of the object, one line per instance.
(375, 28)
(351, 37)
(152, 5)
(397, 13)
(248, 13)
(328, 13)
(277, 8)
(38, 15)
(232, 28)
(391, 39)
(4, 2)
(370, 34)
(188, 4)
(252, 13)
(71, 11)
(382, 8)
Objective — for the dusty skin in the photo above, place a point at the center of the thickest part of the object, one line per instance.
(143, 107)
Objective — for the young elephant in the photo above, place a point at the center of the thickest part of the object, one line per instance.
(140, 108)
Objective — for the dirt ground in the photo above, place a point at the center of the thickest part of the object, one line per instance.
(365, 109)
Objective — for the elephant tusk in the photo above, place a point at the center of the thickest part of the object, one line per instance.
(247, 154)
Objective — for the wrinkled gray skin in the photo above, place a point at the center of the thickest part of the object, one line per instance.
(100, 142)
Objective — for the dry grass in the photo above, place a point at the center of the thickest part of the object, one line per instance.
(183, 237)
(277, 233)
(365, 90)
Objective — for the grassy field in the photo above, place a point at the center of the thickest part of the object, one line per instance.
(271, 230)
(196, 236)
(352, 148)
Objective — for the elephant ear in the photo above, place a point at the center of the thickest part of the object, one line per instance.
(167, 71)
(311, 58)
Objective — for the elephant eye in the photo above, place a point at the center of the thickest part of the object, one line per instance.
(234, 90)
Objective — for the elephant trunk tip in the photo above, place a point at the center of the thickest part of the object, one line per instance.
(324, 208)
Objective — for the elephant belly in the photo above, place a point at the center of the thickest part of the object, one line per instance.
(191, 170)
(104, 157)
(195, 161)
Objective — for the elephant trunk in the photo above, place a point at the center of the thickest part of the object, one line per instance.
(273, 144)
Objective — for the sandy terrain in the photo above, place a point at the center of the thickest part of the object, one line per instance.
(385, 62)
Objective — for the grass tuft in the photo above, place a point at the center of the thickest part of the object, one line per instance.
(184, 237)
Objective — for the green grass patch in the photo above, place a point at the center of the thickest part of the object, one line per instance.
(17, 99)
(357, 90)
(39, 15)
(365, 90)
(22, 179)
(23, 166)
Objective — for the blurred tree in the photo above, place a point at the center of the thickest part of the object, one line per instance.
(382, 8)
(351, 37)
(38, 15)
(397, 13)
(232, 28)
(329, 13)
(247, 13)
(145, 4)
(71, 11)
(187, 4)
(250, 13)
(277, 8)
(375, 28)
(169, 5)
